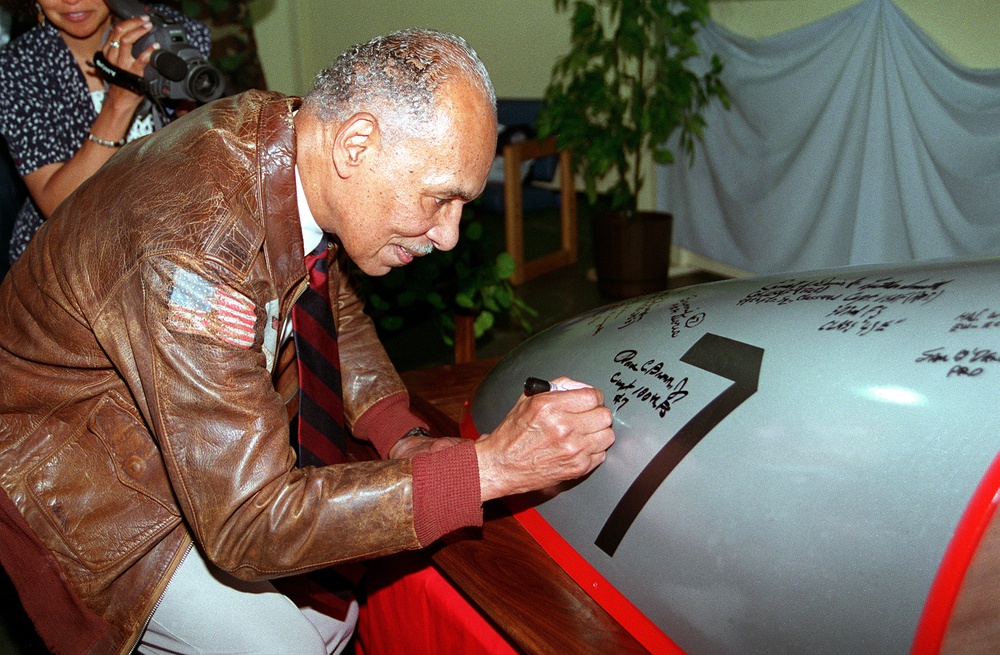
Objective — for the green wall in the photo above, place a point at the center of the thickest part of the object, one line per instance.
(519, 40)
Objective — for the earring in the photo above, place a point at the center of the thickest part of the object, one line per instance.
(41, 14)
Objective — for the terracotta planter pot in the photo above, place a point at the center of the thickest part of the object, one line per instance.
(631, 252)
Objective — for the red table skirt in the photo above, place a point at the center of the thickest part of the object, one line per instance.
(409, 608)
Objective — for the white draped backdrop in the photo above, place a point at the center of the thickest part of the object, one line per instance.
(851, 140)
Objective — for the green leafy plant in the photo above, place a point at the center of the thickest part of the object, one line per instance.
(469, 280)
(625, 87)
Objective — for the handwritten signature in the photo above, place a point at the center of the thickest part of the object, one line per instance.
(661, 393)
(965, 362)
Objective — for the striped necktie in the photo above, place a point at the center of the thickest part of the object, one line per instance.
(321, 435)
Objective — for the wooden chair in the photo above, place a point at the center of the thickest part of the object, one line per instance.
(515, 154)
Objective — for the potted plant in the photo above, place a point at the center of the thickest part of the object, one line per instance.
(463, 290)
(623, 89)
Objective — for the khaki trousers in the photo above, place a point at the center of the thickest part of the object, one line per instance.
(205, 610)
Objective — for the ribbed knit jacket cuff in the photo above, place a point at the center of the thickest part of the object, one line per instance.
(385, 422)
(446, 494)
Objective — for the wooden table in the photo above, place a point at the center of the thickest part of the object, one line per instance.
(502, 569)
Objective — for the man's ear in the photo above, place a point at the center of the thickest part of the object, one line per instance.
(356, 139)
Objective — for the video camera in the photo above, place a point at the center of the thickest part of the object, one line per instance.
(177, 71)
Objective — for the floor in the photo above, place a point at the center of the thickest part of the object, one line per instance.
(556, 297)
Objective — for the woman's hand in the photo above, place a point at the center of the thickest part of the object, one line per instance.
(49, 185)
(118, 51)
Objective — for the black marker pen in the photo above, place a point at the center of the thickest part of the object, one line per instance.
(534, 386)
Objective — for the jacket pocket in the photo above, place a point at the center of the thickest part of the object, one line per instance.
(104, 492)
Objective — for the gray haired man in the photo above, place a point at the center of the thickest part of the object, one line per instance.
(150, 492)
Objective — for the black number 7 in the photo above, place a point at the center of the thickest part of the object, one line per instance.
(733, 360)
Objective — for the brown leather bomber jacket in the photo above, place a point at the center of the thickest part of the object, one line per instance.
(137, 410)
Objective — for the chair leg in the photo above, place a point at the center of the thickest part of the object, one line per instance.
(513, 212)
(465, 339)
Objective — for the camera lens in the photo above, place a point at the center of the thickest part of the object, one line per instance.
(205, 84)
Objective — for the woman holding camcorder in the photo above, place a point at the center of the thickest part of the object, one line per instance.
(60, 118)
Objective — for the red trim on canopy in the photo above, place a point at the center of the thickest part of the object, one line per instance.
(958, 555)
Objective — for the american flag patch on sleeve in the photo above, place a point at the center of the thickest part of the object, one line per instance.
(204, 308)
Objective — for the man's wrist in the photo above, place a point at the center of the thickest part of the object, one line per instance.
(419, 431)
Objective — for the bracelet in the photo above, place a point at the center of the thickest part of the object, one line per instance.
(104, 142)
(416, 432)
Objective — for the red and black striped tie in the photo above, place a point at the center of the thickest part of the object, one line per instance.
(321, 432)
